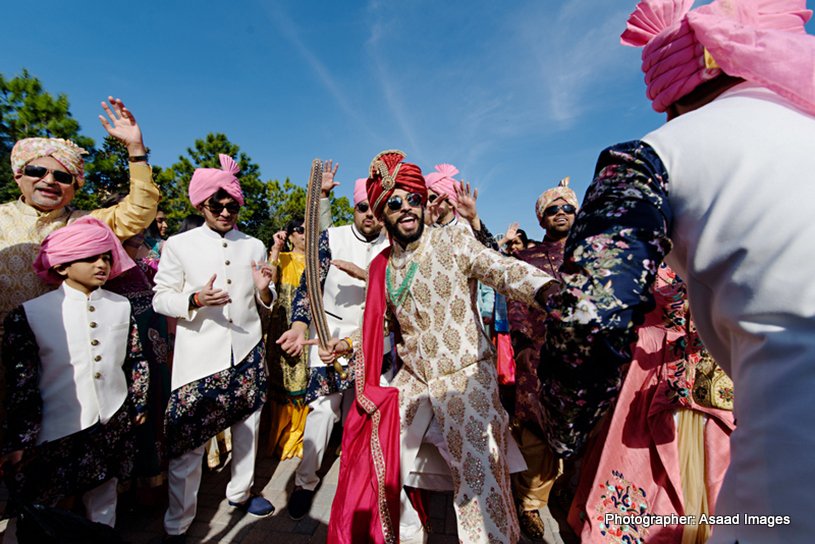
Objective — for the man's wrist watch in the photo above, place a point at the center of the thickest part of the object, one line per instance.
(137, 158)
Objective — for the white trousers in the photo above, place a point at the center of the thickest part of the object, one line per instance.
(185, 476)
(324, 413)
(100, 506)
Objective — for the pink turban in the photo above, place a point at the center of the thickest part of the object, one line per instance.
(65, 152)
(762, 41)
(561, 191)
(360, 190)
(85, 237)
(441, 181)
(205, 182)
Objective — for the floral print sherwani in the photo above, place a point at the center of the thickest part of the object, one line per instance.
(449, 368)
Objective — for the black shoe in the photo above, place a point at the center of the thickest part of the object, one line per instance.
(300, 503)
(174, 539)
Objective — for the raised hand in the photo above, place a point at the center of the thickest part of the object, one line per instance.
(512, 231)
(123, 126)
(466, 202)
(433, 211)
(261, 274)
(209, 296)
(279, 240)
(328, 182)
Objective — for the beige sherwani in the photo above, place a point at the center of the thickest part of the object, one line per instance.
(449, 369)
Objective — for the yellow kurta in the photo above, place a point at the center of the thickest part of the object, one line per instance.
(288, 376)
(449, 369)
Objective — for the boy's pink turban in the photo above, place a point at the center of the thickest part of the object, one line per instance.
(762, 41)
(205, 182)
(85, 237)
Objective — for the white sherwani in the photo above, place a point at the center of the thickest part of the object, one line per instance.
(742, 193)
(449, 369)
(210, 339)
(83, 342)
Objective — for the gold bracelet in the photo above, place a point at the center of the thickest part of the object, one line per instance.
(276, 262)
(350, 343)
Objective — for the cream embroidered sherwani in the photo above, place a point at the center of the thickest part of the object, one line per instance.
(449, 369)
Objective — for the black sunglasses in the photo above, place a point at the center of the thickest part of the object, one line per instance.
(216, 208)
(552, 210)
(40, 172)
(299, 230)
(413, 199)
(363, 207)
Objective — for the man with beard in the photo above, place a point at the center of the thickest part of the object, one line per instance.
(556, 210)
(343, 286)
(446, 390)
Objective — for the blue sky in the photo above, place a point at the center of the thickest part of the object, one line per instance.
(516, 94)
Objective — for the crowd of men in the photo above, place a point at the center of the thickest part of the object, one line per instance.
(469, 364)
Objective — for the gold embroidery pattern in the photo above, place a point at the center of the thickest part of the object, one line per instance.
(712, 388)
(474, 473)
(441, 284)
(478, 400)
(456, 409)
(452, 340)
(376, 451)
(430, 346)
(476, 434)
(455, 444)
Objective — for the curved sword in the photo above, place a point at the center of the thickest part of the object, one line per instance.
(315, 293)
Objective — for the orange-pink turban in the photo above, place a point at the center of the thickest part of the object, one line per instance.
(65, 152)
(561, 191)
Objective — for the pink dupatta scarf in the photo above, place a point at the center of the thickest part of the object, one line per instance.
(366, 506)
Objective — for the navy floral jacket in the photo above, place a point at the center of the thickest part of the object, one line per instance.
(618, 241)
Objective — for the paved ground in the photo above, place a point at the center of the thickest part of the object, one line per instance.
(217, 522)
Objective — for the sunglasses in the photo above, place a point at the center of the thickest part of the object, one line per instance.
(552, 210)
(40, 172)
(299, 230)
(395, 202)
(362, 207)
(216, 208)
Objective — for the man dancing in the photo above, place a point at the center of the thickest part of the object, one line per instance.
(736, 80)
(213, 278)
(426, 283)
